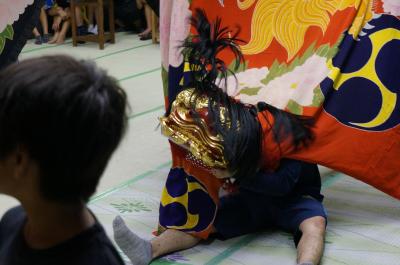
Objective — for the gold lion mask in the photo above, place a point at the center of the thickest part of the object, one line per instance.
(192, 133)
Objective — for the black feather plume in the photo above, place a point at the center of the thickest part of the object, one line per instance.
(202, 50)
(239, 125)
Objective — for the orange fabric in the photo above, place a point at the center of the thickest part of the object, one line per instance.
(233, 16)
(372, 157)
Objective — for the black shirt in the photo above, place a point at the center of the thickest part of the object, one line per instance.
(90, 247)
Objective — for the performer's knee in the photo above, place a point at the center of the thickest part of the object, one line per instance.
(314, 225)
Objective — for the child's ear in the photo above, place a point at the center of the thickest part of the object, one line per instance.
(22, 162)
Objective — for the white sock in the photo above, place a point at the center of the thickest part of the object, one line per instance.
(95, 31)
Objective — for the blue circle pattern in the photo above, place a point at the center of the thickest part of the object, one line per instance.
(358, 100)
(199, 203)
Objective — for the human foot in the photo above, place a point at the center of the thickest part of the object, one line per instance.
(145, 32)
(148, 36)
(38, 40)
(54, 39)
(45, 38)
(60, 41)
(137, 249)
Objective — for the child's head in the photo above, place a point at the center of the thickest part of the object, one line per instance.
(64, 116)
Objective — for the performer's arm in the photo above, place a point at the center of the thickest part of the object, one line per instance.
(278, 183)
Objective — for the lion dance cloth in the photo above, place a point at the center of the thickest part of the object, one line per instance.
(335, 60)
(17, 20)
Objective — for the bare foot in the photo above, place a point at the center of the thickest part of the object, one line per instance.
(54, 39)
(144, 33)
(60, 40)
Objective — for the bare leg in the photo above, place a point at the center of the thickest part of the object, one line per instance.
(311, 245)
(141, 4)
(63, 32)
(170, 241)
(78, 15)
(63, 13)
(55, 37)
(43, 21)
(56, 23)
(36, 32)
(56, 28)
(38, 38)
(147, 12)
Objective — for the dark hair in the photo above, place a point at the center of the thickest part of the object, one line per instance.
(240, 128)
(69, 115)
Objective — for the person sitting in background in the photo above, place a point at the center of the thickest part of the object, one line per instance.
(91, 17)
(57, 133)
(147, 6)
(61, 21)
(44, 23)
(155, 6)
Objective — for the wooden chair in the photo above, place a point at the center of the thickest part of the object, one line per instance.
(101, 37)
(155, 33)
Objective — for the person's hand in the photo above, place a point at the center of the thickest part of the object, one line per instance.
(221, 173)
(56, 23)
(55, 26)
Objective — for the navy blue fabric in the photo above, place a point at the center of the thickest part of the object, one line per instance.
(247, 213)
(292, 179)
(282, 199)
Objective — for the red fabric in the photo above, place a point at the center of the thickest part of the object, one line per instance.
(372, 157)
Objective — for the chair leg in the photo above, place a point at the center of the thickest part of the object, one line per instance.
(73, 23)
(100, 24)
(101, 38)
(153, 27)
(111, 20)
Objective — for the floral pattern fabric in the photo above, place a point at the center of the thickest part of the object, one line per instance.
(17, 20)
(335, 60)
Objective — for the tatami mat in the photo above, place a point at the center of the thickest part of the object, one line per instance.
(363, 226)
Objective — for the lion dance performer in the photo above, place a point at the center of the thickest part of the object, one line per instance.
(336, 66)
